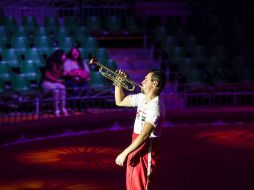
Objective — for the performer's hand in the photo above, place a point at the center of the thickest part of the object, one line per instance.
(122, 73)
(118, 80)
(120, 159)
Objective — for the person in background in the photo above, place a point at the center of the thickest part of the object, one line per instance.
(76, 71)
(53, 81)
(141, 156)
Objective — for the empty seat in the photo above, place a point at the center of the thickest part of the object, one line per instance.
(71, 22)
(190, 41)
(168, 43)
(220, 77)
(245, 75)
(20, 31)
(111, 64)
(30, 69)
(2, 45)
(159, 33)
(3, 89)
(20, 44)
(84, 53)
(97, 81)
(51, 23)
(113, 24)
(41, 31)
(43, 44)
(66, 43)
(11, 57)
(185, 65)
(2, 31)
(21, 85)
(94, 24)
(63, 32)
(90, 44)
(102, 55)
(10, 24)
(81, 33)
(195, 77)
(198, 51)
(132, 24)
(33, 54)
(5, 72)
(177, 51)
(30, 23)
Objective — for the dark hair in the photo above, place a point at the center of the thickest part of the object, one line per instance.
(160, 77)
(56, 58)
(80, 60)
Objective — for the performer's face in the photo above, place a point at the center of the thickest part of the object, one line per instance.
(147, 84)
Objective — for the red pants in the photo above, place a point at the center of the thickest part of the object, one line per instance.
(141, 165)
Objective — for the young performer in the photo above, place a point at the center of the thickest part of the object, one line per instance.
(141, 156)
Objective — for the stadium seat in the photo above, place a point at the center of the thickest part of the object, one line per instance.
(20, 44)
(30, 69)
(66, 43)
(51, 24)
(177, 51)
(5, 72)
(245, 75)
(2, 87)
(63, 32)
(195, 77)
(111, 64)
(43, 44)
(11, 57)
(30, 23)
(94, 24)
(159, 33)
(113, 24)
(212, 63)
(90, 44)
(102, 55)
(168, 43)
(84, 53)
(20, 31)
(41, 31)
(20, 84)
(71, 22)
(97, 81)
(10, 24)
(132, 24)
(33, 54)
(81, 33)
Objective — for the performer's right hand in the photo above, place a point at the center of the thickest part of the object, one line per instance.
(120, 159)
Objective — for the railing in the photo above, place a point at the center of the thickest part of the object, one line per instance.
(197, 96)
(40, 106)
(39, 11)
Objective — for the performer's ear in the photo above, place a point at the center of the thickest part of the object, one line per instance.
(156, 83)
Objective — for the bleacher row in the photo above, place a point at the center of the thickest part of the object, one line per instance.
(213, 53)
(25, 47)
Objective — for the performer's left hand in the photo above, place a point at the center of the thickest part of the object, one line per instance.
(120, 159)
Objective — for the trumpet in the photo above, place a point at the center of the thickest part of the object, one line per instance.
(118, 79)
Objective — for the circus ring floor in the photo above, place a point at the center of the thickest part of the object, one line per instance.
(194, 156)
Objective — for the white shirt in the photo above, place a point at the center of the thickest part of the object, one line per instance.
(69, 66)
(151, 112)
